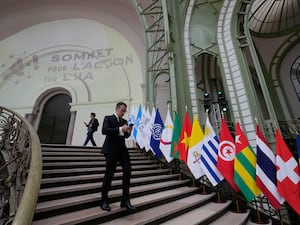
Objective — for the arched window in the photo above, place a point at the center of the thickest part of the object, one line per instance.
(295, 76)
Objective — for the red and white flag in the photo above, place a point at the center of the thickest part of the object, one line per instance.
(288, 174)
(226, 155)
(266, 170)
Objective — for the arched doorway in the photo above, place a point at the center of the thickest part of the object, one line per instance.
(54, 122)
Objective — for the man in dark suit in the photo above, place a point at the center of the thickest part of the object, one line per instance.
(92, 128)
(115, 151)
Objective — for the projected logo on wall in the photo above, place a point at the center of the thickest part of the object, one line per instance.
(81, 56)
(63, 63)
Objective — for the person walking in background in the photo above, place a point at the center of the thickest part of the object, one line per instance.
(92, 128)
(115, 151)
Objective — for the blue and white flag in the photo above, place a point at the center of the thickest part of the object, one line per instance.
(131, 118)
(132, 115)
(156, 133)
(137, 122)
(149, 130)
(141, 133)
(209, 155)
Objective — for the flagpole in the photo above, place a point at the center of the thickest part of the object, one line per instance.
(281, 222)
(237, 118)
(193, 180)
(295, 129)
(203, 189)
(206, 113)
(219, 198)
(257, 214)
(236, 203)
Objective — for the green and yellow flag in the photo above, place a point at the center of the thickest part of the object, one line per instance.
(175, 137)
(244, 166)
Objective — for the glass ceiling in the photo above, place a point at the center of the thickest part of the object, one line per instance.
(274, 17)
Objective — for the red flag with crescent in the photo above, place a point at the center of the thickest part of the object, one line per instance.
(226, 155)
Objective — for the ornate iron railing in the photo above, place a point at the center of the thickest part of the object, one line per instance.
(290, 128)
(20, 169)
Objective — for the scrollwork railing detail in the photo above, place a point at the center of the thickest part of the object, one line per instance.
(20, 168)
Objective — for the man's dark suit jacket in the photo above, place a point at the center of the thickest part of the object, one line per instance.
(113, 142)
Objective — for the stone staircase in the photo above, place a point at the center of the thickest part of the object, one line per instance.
(71, 188)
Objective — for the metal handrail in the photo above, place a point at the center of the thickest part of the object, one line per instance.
(25, 208)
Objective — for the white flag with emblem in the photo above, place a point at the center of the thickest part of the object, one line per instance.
(166, 137)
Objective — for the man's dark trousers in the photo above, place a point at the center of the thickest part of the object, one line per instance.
(111, 163)
(90, 136)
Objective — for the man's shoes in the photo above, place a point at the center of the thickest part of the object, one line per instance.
(104, 206)
(126, 204)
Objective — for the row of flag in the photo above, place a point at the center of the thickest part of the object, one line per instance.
(253, 171)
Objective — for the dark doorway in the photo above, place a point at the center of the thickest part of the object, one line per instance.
(55, 120)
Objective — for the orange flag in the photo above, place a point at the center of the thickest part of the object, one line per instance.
(184, 139)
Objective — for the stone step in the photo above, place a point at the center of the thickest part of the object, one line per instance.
(72, 164)
(97, 185)
(73, 158)
(72, 183)
(95, 215)
(77, 153)
(55, 181)
(232, 218)
(83, 170)
(201, 215)
(163, 212)
(48, 207)
(86, 154)
(267, 222)
(84, 158)
(46, 147)
(61, 148)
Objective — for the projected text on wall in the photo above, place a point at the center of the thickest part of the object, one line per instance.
(66, 64)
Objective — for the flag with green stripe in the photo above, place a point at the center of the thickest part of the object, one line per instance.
(175, 137)
(244, 166)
